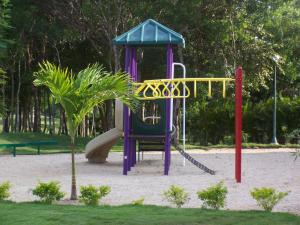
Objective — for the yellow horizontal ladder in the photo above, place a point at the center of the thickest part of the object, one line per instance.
(174, 88)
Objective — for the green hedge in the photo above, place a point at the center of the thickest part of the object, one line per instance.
(212, 121)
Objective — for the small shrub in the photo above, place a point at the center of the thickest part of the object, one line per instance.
(48, 192)
(267, 198)
(91, 195)
(176, 195)
(296, 154)
(4, 190)
(245, 137)
(139, 201)
(214, 196)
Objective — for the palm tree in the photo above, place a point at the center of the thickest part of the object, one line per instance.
(79, 94)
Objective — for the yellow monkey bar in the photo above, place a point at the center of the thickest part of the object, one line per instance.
(174, 88)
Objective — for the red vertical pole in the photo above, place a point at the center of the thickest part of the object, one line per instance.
(238, 123)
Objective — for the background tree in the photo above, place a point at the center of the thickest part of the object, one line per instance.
(219, 36)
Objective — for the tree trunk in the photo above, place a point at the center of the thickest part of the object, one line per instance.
(53, 117)
(65, 128)
(5, 125)
(24, 119)
(45, 111)
(87, 126)
(12, 103)
(104, 122)
(60, 121)
(37, 115)
(73, 186)
(116, 57)
(50, 114)
(94, 122)
(17, 123)
(109, 114)
(29, 117)
(82, 134)
(5, 121)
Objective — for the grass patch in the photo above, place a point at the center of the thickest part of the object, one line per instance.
(64, 142)
(63, 145)
(36, 214)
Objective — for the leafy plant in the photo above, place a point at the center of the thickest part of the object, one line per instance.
(213, 197)
(139, 201)
(228, 140)
(176, 195)
(296, 154)
(267, 198)
(48, 192)
(4, 190)
(294, 135)
(91, 195)
(79, 94)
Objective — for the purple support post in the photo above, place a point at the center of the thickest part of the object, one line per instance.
(126, 118)
(168, 114)
(135, 78)
(131, 143)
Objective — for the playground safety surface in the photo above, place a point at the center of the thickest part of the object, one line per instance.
(272, 168)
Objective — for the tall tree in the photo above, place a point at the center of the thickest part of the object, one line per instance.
(79, 94)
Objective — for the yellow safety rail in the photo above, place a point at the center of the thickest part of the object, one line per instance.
(174, 88)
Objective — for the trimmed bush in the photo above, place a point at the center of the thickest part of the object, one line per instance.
(91, 195)
(139, 201)
(48, 192)
(176, 195)
(213, 197)
(4, 191)
(211, 121)
(267, 198)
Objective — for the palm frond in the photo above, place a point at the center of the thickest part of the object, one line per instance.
(79, 94)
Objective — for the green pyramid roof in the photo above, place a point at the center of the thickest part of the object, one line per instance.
(149, 32)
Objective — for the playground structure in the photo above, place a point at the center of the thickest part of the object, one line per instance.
(162, 91)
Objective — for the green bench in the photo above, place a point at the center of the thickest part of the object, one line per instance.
(36, 144)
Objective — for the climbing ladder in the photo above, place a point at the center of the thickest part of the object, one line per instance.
(176, 87)
(194, 161)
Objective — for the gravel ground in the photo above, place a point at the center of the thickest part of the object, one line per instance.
(261, 167)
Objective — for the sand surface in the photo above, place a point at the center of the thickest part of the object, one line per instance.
(270, 168)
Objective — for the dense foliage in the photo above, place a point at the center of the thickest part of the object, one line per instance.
(211, 121)
(220, 35)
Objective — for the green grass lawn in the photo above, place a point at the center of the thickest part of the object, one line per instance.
(63, 144)
(37, 214)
